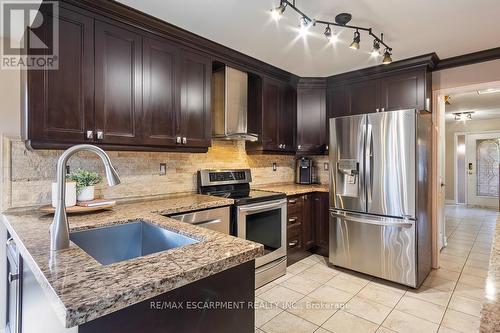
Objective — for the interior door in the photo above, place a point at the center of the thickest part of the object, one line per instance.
(483, 152)
(347, 141)
(390, 163)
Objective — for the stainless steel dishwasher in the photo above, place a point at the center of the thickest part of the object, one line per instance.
(217, 219)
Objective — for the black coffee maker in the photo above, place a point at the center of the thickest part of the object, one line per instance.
(305, 172)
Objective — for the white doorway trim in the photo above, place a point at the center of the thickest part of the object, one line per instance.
(438, 201)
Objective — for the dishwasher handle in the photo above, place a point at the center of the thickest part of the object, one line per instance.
(207, 222)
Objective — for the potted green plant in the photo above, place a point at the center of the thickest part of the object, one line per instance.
(85, 181)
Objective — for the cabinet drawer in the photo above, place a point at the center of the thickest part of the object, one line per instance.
(294, 219)
(294, 243)
(295, 204)
(293, 230)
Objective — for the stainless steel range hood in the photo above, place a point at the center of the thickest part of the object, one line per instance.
(229, 105)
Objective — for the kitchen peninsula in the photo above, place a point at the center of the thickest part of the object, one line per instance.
(81, 295)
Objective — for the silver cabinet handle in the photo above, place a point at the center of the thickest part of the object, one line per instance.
(326, 148)
(178, 140)
(89, 135)
(280, 146)
(13, 276)
(293, 243)
(184, 140)
(100, 135)
(299, 147)
(292, 220)
(284, 146)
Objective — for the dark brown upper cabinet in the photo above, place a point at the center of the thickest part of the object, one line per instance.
(161, 92)
(404, 89)
(311, 117)
(196, 78)
(363, 97)
(271, 114)
(118, 85)
(288, 111)
(61, 102)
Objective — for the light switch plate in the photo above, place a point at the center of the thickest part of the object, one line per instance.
(326, 166)
(163, 169)
(274, 166)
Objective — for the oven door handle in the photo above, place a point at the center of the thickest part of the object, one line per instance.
(259, 207)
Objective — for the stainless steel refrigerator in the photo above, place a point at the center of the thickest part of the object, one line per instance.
(380, 194)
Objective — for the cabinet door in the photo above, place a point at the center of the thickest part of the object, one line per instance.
(363, 97)
(403, 91)
(287, 118)
(271, 104)
(195, 125)
(307, 222)
(337, 106)
(311, 120)
(321, 222)
(61, 102)
(161, 92)
(118, 78)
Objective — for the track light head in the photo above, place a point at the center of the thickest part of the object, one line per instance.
(328, 32)
(387, 57)
(277, 12)
(355, 42)
(376, 48)
(304, 25)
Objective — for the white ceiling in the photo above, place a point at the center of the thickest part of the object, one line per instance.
(447, 27)
(485, 106)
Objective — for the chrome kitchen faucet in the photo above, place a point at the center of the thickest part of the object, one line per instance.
(59, 229)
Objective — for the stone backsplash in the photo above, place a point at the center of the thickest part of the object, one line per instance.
(27, 175)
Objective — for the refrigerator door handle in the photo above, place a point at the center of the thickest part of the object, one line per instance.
(370, 220)
(369, 160)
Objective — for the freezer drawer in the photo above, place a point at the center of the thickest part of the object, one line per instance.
(374, 245)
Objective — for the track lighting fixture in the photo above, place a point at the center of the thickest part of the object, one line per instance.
(376, 48)
(341, 20)
(387, 57)
(355, 41)
(277, 12)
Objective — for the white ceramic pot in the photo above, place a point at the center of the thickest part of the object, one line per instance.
(70, 194)
(86, 194)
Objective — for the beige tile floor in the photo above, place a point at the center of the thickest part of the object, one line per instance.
(316, 297)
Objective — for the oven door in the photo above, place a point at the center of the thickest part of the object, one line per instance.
(264, 223)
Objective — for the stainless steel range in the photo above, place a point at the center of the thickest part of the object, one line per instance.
(259, 216)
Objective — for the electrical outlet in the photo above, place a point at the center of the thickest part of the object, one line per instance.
(274, 166)
(326, 166)
(163, 169)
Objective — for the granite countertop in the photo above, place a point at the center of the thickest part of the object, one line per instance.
(293, 189)
(81, 289)
(490, 312)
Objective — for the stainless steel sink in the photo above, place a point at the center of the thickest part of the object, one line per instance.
(121, 242)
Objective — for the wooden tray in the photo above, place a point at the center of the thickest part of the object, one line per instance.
(77, 209)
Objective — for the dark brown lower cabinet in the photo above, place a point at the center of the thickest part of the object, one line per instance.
(307, 225)
(321, 222)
